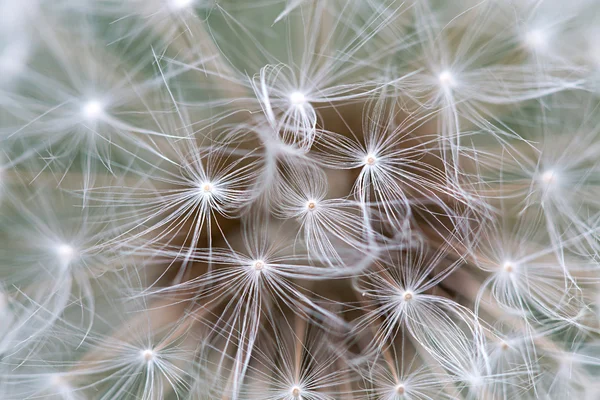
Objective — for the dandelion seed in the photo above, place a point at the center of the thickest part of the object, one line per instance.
(302, 193)
(307, 365)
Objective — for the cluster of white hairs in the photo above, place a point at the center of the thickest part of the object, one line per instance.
(299, 199)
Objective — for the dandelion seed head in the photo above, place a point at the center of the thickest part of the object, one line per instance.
(290, 169)
(92, 110)
(297, 98)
